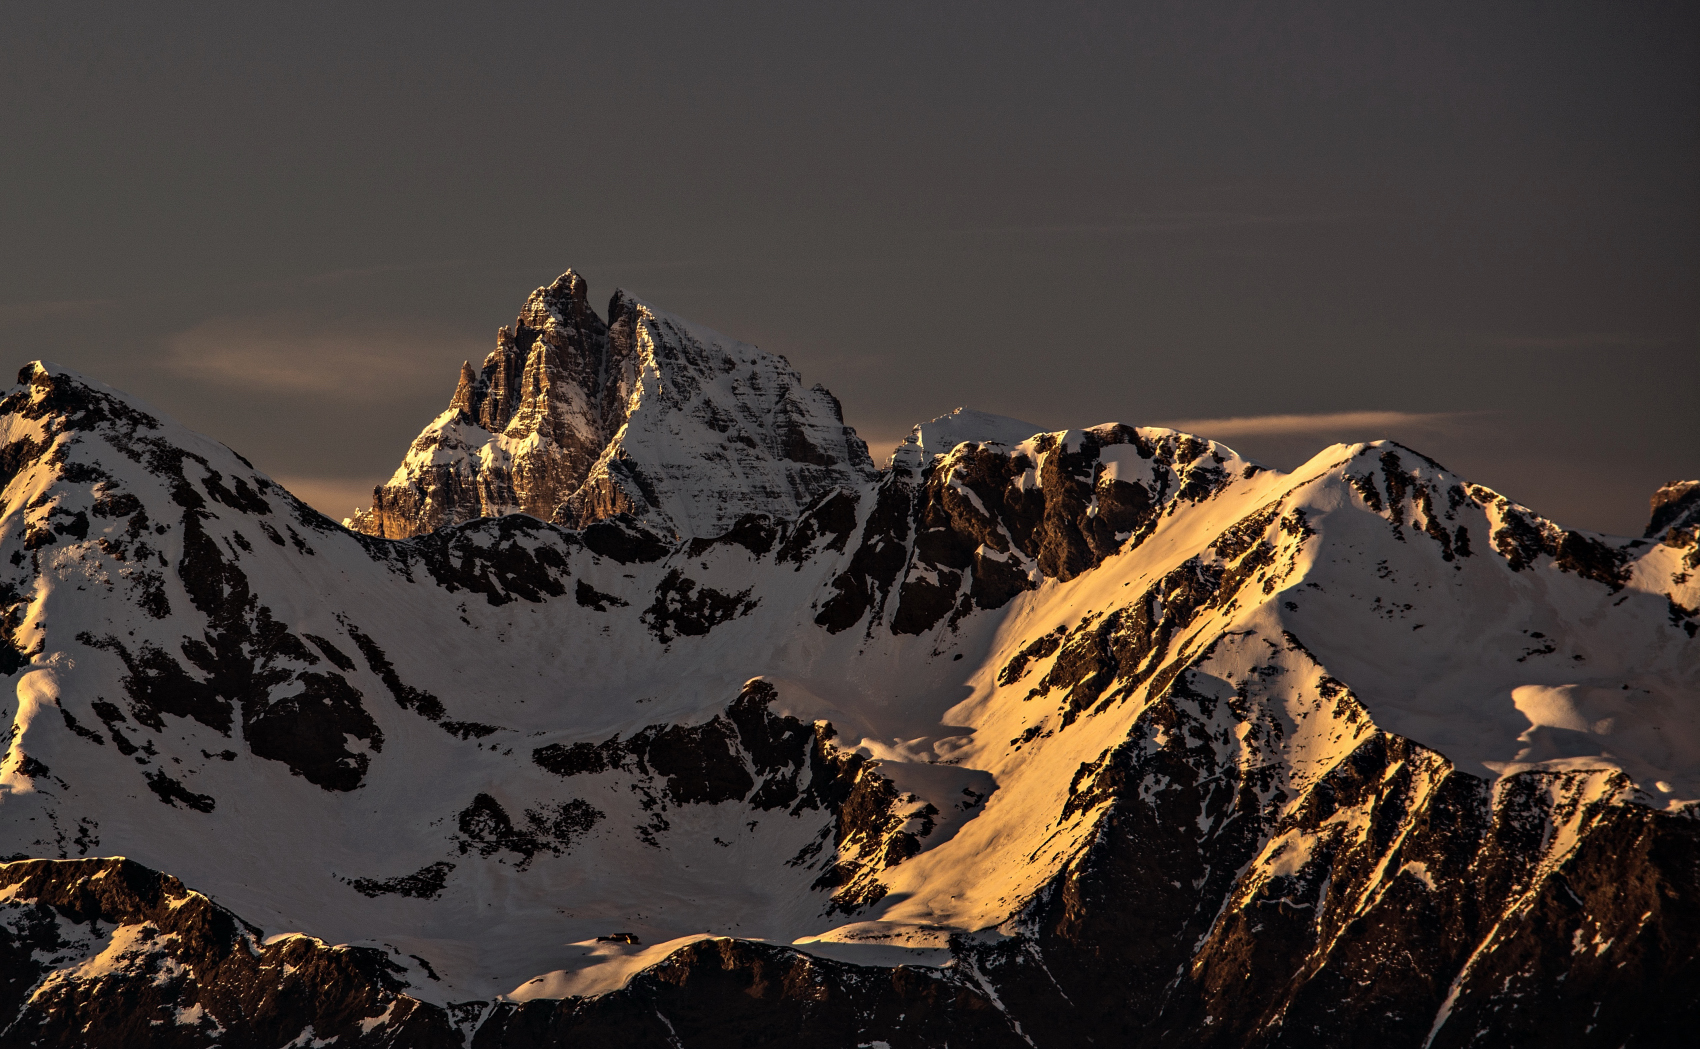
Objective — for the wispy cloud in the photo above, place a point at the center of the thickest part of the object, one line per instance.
(287, 355)
(1367, 424)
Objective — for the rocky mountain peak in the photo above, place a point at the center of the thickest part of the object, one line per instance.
(556, 339)
(574, 419)
(467, 391)
(564, 303)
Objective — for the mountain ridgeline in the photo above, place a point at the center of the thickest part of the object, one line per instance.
(642, 709)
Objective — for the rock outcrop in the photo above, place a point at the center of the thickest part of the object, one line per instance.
(1674, 506)
(107, 953)
(573, 420)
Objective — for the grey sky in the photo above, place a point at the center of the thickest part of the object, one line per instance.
(1473, 227)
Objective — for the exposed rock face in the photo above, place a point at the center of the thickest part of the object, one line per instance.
(1673, 566)
(1676, 505)
(983, 522)
(110, 953)
(1398, 902)
(574, 420)
(107, 953)
(1101, 736)
(521, 433)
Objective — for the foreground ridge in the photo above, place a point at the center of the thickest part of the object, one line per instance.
(1103, 735)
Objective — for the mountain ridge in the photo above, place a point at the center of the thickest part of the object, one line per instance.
(965, 743)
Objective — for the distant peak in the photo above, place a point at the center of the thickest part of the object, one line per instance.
(938, 436)
(573, 419)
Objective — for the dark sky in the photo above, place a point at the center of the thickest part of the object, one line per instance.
(1479, 223)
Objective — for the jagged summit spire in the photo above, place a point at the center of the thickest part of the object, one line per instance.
(564, 301)
(556, 330)
(466, 389)
(573, 418)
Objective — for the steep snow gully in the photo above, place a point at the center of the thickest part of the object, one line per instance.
(642, 709)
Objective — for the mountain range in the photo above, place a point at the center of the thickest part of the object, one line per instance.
(641, 708)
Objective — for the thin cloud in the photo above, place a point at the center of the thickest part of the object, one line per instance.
(1366, 423)
(287, 356)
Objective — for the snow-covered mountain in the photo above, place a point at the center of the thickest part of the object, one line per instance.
(572, 420)
(1100, 736)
